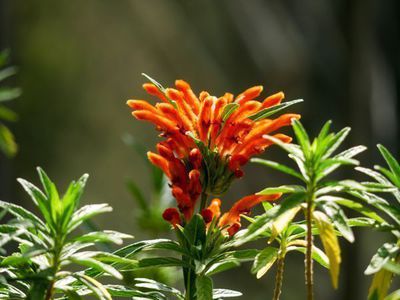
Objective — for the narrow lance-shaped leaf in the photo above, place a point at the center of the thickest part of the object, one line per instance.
(331, 245)
(267, 112)
(264, 261)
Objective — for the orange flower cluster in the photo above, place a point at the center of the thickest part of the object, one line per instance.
(207, 141)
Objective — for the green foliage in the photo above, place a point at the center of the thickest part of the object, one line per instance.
(321, 199)
(386, 262)
(48, 246)
(200, 251)
(7, 140)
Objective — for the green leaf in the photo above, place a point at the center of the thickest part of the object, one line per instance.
(282, 222)
(40, 201)
(96, 287)
(302, 137)
(384, 253)
(392, 266)
(224, 293)
(71, 199)
(86, 212)
(264, 261)
(266, 112)
(336, 141)
(330, 165)
(277, 166)
(392, 163)
(204, 288)
(354, 206)
(7, 141)
(222, 266)
(228, 110)
(380, 285)
(262, 223)
(336, 214)
(317, 254)
(106, 236)
(18, 259)
(8, 93)
(330, 243)
(93, 263)
(157, 286)
(22, 213)
(7, 114)
(361, 222)
(161, 262)
(351, 152)
(284, 189)
(375, 175)
(394, 296)
(54, 204)
(324, 131)
(290, 148)
(122, 291)
(135, 248)
(7, 72)
(195, 230)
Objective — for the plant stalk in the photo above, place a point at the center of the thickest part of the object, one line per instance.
(309, 246)
(190, 286)
(56, 266)
(279, 277)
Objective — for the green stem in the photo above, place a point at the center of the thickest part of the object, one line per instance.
(279, 276)
(56, 266)
(311, 187)
(190, 285)
(308, 260)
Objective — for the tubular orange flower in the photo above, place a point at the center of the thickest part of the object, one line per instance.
(208, 140)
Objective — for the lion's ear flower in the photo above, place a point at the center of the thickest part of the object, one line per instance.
(208, 139)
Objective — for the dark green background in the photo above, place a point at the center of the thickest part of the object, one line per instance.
(79, 61)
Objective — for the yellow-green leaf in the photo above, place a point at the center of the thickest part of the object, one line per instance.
(380, 285)
(330, 243)
(282, 222)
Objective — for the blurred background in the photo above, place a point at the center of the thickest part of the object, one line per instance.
(79, 61)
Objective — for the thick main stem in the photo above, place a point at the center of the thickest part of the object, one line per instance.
(190, 286)
(279, 278)
(309, 246)
(56, 266)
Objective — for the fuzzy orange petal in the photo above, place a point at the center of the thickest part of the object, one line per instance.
(160, 162)
(273, 100)
(249, 94)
